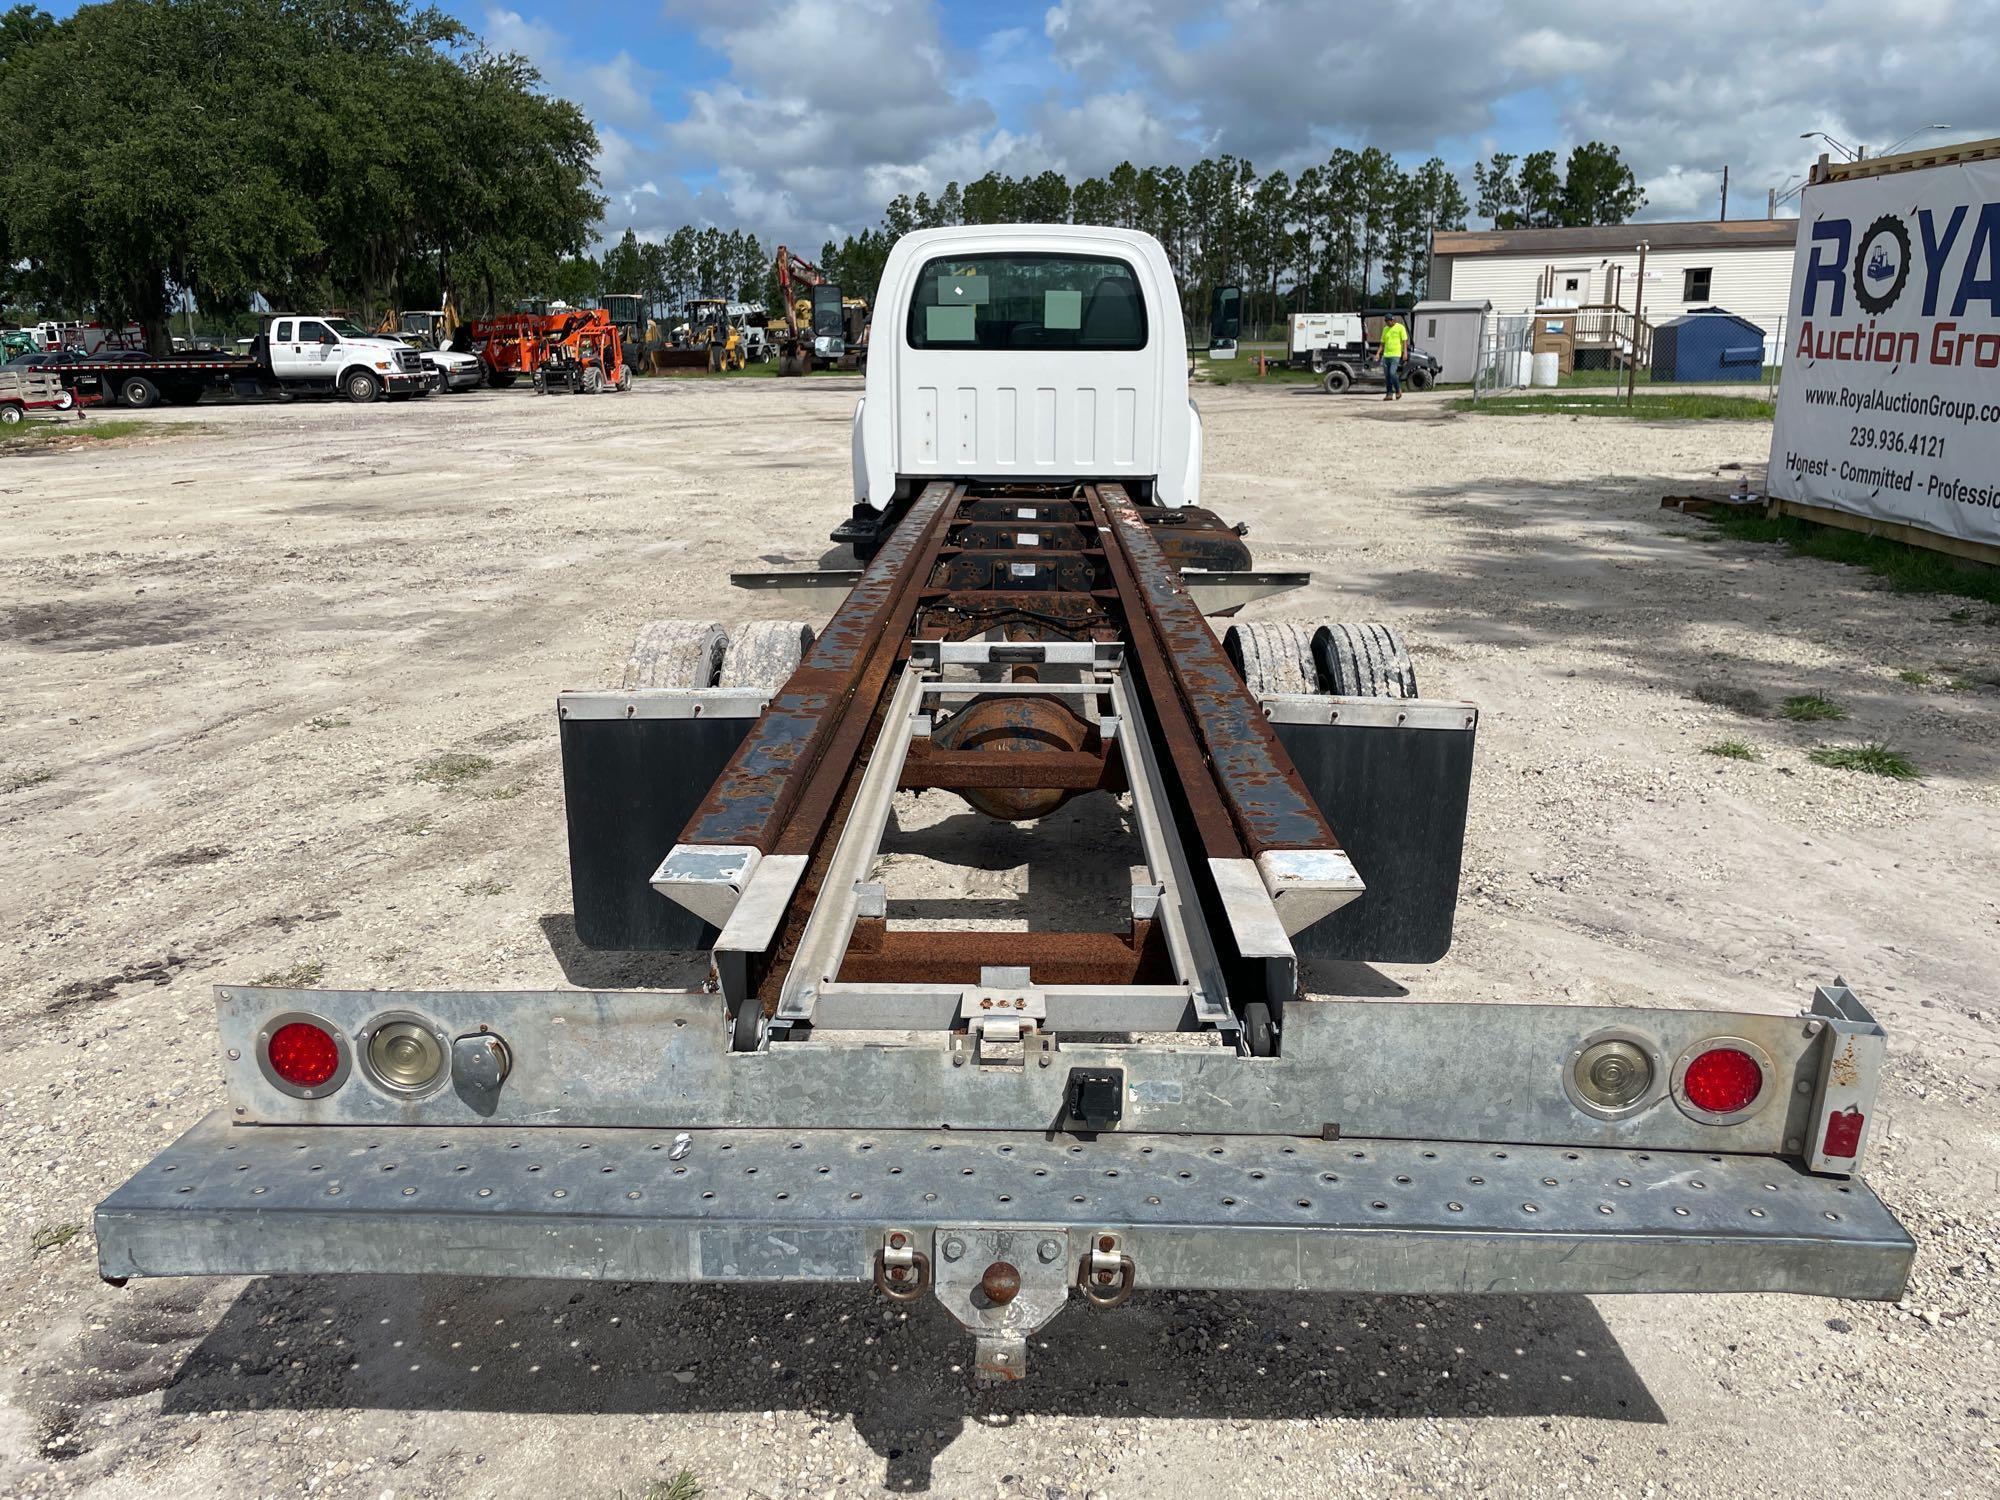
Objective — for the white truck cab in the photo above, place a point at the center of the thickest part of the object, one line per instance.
(1027, 353)
(327, 354)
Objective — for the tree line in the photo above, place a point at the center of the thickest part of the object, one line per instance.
(1353, 231)
(320, 153)
(364, 154)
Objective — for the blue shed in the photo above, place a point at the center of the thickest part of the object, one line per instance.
(1708, 343)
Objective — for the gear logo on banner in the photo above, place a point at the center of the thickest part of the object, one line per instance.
(1882, 264)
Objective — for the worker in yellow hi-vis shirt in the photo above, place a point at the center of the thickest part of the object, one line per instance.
(1395, 339)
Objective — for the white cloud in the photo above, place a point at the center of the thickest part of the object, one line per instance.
(827, 108)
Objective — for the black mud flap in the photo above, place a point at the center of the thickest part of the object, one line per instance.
(1392, 777)
(630, 782)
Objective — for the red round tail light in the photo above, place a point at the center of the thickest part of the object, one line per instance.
(303, 1055)
(1722, 1080)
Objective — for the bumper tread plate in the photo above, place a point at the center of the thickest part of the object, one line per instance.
(1263, 1213)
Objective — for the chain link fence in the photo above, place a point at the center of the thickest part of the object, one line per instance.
(1609, 349)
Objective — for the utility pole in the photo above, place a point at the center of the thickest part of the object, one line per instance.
(1725, 193)
(1771, 203)
(1638, 304)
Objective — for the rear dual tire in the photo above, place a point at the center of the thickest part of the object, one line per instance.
(691, 654)
(1279, 658)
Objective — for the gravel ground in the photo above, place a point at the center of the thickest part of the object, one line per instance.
(230, 651)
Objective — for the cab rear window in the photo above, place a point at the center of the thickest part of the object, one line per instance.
(1027, 301)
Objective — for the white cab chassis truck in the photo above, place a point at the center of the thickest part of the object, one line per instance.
(1130, 1092)
(327, 355)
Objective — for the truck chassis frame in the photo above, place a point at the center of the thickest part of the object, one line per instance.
(1001, 1117)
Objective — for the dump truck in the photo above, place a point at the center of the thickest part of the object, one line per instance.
(880, 1084)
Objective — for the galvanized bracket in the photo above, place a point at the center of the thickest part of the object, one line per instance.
(1850, 1072)
(1003, 1285)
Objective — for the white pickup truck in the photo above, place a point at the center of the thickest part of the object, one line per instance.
(304, 355)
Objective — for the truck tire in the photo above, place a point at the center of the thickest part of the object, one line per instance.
(764, 653)
(1420, 380)
(1364, 661)
(1272, 658)
(10, 414)
(676, 654)
(137, 392)
(360, 386)
(1336, 380)
(593, 381)
(624, 377)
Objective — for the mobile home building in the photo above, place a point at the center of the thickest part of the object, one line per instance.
(1742, 265)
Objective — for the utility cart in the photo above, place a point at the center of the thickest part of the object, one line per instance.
(1003, 1115)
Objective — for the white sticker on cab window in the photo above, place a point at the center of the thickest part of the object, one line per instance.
(948, 325)
(1061, 309)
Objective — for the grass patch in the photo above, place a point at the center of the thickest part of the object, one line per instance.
(30, 436)
(1765, 377)
(1717, 694)
(482, 888)
(1907, 569)
(453, 768)
(1914, 678)
(683, 1486)
(1243, 370)
(327, 721)
(53, 1237)
(20, 781)
(1811, 708)
(300, 976)
(1696, 406)
(768, 370)
(1876, 760)
(1732, 750)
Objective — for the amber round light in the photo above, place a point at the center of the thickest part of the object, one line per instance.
(304, 1055)
(405, 1056)
(1613, 1074)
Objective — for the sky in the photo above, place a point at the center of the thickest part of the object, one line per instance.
(800, 119)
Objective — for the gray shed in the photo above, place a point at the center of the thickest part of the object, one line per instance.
(1451, 332)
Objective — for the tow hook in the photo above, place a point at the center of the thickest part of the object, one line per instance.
(1106, 1275)
(902, 1271)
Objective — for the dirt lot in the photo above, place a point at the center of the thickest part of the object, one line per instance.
(230, 656)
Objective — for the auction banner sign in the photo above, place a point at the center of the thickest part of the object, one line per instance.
(1889, 406)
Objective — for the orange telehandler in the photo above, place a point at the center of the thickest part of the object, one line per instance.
(583, 354)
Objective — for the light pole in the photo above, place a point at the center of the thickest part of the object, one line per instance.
(1842, 147)
(1911, 137)
(1855, 153)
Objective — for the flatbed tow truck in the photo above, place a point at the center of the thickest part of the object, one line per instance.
(1004, 1118)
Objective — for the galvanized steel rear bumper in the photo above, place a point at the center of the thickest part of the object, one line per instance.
(1262, 1213)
